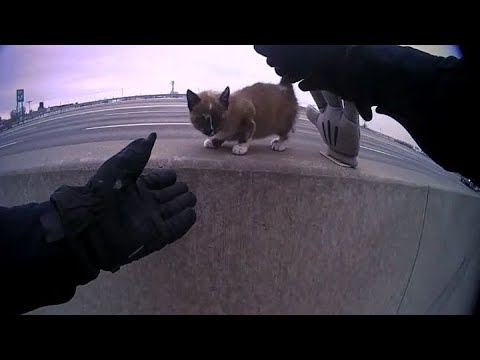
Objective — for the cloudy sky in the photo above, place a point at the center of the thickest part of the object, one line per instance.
(58, 74)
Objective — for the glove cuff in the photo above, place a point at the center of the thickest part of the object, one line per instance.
(52, 224)
(93, 223)
(77, 208)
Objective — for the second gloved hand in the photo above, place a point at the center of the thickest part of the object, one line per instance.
(120, 215)
(338, 124)
(335, 68)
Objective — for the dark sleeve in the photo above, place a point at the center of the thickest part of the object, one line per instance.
(33, 273)
(428, 95)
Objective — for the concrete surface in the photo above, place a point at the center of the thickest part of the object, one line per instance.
(280, 233)
(448, 249)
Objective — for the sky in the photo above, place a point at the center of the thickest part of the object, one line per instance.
(60, 74)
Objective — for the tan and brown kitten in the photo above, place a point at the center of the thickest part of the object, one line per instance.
(254, 112)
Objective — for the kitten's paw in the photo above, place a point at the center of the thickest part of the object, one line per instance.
(278, 145)
(240, 149)
(209, 144)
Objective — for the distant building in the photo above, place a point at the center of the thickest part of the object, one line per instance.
(40, 106)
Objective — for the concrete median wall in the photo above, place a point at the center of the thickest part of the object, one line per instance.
(283, 239)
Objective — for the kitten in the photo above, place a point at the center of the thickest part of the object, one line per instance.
(254, 112)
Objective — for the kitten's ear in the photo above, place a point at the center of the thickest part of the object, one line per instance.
(192, 99)
(225, 97)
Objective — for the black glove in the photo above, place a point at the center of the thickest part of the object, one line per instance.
(321, 67)
(121, 216)
(299, 62)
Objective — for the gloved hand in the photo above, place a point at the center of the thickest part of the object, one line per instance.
(322, 67)
(338, 126)
(120, 215)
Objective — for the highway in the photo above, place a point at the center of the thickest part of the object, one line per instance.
(128, 120)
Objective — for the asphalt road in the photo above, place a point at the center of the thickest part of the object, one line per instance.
(128, 120)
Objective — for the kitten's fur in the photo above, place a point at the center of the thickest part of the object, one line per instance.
(256, 111)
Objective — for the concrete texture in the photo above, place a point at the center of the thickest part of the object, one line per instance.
(192, 154)
(282, 235)
(449, 246)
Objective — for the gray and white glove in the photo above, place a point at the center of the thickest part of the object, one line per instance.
(338, 124)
